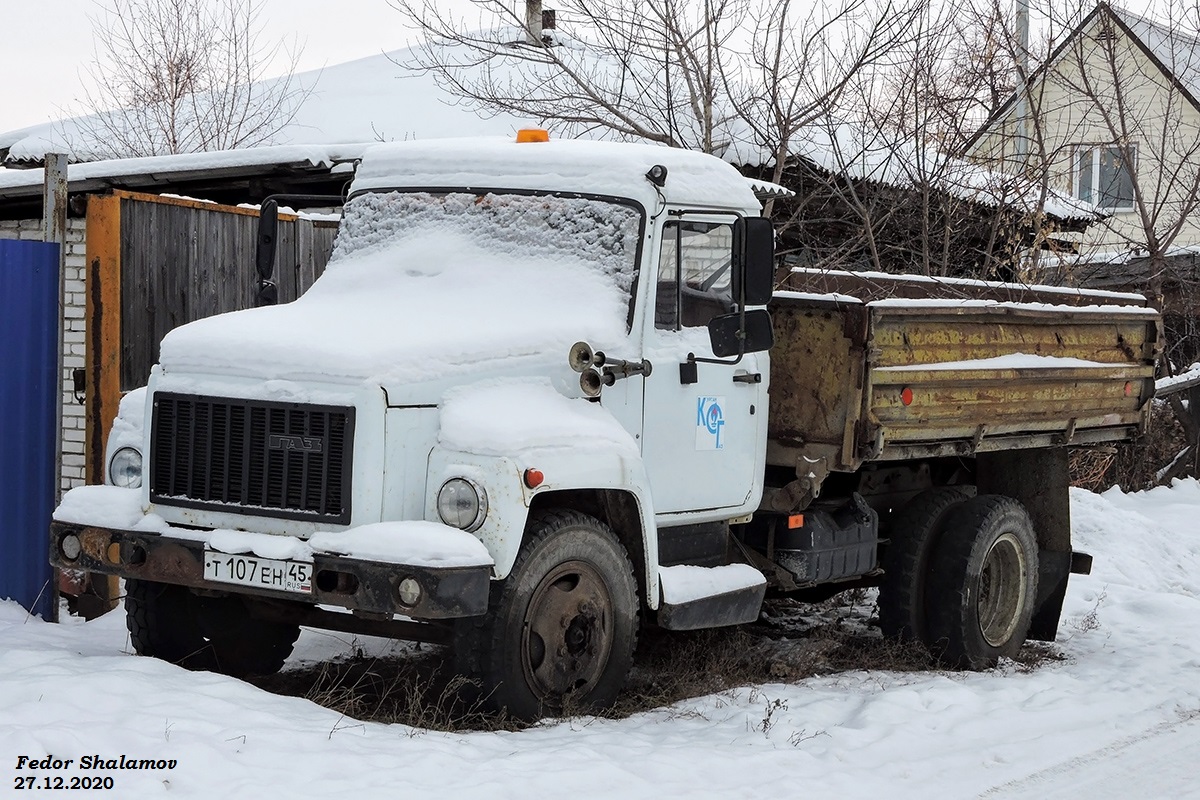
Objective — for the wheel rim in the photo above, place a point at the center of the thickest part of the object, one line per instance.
(567, 633)
(1002, 590)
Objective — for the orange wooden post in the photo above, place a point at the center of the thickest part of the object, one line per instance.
(103, 328)
(103, 362)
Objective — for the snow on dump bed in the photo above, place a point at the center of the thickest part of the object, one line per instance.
(422, 286)
(937, 280)
(944, 303)
(820, 297)
(1010, 361)
(598, 168)
(502, 417)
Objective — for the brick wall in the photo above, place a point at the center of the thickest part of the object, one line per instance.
(75, 313)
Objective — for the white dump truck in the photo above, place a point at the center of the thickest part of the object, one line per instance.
(547, 392)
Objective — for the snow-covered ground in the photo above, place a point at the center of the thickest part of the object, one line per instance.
(1119, 717)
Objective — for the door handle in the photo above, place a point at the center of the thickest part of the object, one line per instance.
(748, 377)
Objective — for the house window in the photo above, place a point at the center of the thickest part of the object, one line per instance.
(1104, 178)
(693, 274)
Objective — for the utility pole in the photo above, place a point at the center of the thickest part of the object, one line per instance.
(54, 229)
(1022, 106)
(533, 21)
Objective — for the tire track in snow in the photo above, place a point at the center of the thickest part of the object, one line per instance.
(1157, 762)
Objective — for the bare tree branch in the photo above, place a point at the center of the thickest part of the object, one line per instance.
(180, 76)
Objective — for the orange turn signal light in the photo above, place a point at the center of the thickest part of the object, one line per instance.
(795, 521)
(532, 135)
(534, 478)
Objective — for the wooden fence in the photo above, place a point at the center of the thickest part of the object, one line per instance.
(155, 263)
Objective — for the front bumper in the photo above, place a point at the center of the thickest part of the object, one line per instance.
(351, 583)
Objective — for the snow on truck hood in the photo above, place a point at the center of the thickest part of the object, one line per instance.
(421, 288)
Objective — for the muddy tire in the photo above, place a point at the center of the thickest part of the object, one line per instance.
(903, 612)
(561, 630)
(203, 633)
(238, 643)
(161, 624)
(983, 583)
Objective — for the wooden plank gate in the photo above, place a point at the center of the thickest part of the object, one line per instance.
(155, 263)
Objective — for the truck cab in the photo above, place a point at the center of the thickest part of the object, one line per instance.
(511, 341)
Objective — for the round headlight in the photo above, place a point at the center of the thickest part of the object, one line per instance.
(462, 504)
(125, 469)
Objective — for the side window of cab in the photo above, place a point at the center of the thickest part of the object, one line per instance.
(693, 274)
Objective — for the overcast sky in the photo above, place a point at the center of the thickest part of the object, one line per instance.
(46, 46)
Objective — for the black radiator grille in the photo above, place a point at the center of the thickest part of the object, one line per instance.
(280, 459)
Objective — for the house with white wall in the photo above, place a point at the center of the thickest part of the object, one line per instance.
(1112, 117)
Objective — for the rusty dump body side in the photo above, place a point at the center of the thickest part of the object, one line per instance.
(887, 368)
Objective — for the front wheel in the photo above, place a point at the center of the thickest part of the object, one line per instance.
(217, 634)
(161, 624)
(983, 582)
(561, 630)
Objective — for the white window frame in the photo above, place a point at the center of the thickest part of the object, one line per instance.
(1077, 174)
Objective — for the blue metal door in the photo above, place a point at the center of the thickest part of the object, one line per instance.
(28, 385)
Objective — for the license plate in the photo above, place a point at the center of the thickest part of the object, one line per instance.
(263, 573)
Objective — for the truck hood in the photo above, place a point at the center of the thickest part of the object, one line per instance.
(426, 313)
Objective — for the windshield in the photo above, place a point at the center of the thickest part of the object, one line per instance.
(423, 286)
(593, 235)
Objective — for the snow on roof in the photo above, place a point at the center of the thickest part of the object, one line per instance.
(765, 190)
(157, 169)
(841, 148)
(369, 99)
(1174, 383)
(1178, 52)
(375, 98)
(586, 167)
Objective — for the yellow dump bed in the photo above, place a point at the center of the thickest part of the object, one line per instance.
(876, 367)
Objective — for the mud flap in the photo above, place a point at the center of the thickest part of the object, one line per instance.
(1054, 570)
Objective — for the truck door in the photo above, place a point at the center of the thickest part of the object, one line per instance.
(703, 443)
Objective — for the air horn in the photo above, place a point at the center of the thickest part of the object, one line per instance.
(586, 361)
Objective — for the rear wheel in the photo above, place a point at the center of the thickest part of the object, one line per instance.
(561, 630)
(983, 584)
(914, 531)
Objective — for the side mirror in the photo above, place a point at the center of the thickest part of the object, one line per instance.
(754, 254)
(729, 339)
(264, 254)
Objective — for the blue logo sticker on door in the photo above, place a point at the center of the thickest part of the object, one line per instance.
(710, 423)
